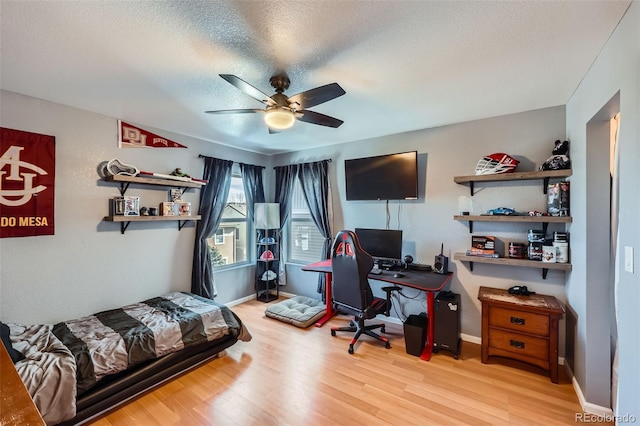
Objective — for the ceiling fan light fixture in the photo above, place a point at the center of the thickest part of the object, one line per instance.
(279, 118)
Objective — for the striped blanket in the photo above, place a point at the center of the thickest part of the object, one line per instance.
(67, 359)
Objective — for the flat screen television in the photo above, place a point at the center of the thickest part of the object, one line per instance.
(384, 177)
(381, 244)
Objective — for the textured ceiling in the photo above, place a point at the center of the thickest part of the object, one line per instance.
(404, 65)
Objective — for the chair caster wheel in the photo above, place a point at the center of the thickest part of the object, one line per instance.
(387, 345)
(382, 329)
(455, 357)
(333, 332)
(351, 350)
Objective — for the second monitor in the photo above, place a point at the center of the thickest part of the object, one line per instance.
(384, 245)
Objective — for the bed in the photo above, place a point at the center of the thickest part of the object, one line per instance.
(78, 369)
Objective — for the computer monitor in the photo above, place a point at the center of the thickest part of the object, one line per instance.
(381, 244)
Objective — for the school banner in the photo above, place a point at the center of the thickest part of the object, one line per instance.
(130, 136)
(27, 177)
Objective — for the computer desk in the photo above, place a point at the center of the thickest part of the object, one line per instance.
(429, 282)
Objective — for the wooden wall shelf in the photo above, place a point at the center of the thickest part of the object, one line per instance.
(501, 177)
(544, 220)
(125, 220)
(513, 262)
(125, 181)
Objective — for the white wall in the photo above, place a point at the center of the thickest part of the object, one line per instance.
(88, 265)
(446, 152)
(617, 69)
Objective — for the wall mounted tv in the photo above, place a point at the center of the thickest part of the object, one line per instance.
(385, 177)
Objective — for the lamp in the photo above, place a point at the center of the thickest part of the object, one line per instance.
(266, 215)
(279, 118)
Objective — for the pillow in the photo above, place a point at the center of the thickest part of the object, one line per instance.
(4, 333)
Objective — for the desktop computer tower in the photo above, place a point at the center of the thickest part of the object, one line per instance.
(447, 323)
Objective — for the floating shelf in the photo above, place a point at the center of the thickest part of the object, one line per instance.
(125, 181)
(545, 220)
(500, 177)
(513, 262)
(125, 220)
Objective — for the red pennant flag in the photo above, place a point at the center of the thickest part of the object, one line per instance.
(134, 137)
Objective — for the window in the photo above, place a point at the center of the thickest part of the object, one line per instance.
(304, 240)
(229, 244)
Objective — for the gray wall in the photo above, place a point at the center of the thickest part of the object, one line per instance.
(446, 152)
(88, 265)
(616, 71)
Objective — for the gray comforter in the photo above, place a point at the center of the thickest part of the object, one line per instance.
(66, 359)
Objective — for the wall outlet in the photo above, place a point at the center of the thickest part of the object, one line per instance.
(628, 259)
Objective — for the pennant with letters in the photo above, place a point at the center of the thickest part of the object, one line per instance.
(27, 177)
(130, 136)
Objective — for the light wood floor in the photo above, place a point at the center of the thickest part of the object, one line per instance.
(292, 376)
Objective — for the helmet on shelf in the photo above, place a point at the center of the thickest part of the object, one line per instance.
(495, 163)
(556, 162)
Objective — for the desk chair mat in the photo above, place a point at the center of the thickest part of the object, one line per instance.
(300, 311)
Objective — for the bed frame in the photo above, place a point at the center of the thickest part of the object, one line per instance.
(114, 391)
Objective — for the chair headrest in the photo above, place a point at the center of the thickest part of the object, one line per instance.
(346, 244)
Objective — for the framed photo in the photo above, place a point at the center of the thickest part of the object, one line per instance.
(131, 206)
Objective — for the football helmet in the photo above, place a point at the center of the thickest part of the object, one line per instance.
(495, 163)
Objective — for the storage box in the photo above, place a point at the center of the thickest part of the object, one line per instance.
(169, 208)
(126, 206)
(184, 208)
(558, 199)
(483, 245)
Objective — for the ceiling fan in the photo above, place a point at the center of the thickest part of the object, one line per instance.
(282, 111)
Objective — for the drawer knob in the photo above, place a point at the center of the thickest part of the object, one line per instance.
(516, 320)
(516, 343)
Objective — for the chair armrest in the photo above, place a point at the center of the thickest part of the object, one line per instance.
(388, 290)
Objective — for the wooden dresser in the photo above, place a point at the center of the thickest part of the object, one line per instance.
(524, 328)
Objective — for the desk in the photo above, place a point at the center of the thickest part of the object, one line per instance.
(430, 282)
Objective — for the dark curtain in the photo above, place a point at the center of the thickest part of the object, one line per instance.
(213, 199)
(285, 178)
(314, 179)
(253, 188)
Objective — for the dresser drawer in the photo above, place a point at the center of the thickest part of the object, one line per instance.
(519, 344)
(524, 322)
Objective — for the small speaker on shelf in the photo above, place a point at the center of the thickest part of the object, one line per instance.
(441, 262)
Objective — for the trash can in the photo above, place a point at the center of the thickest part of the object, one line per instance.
(415, 334)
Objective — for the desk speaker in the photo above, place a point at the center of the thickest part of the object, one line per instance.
(441, 264)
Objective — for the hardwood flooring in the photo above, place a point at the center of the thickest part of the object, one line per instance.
(292, 376)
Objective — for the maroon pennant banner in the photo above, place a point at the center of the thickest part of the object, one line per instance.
(130, 136)
(27, 177)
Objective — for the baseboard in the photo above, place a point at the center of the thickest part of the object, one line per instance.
(587, 407)
(253, 297)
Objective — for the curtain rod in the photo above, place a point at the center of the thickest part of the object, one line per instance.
(207, 156)
(328, 160)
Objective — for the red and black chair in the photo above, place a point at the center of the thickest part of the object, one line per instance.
(351, 291)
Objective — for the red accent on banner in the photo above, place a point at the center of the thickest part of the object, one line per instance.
(134, 137)
(27, 178)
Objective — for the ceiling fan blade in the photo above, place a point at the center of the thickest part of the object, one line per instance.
(248, 89)
(316, 96)
(320, 119)
(234, 111)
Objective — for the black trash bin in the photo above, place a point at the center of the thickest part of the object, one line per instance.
(415, 334)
